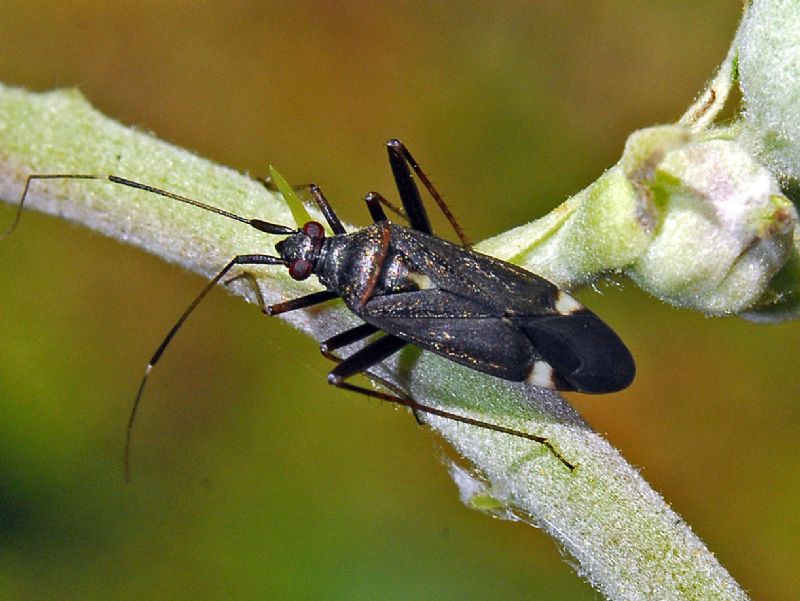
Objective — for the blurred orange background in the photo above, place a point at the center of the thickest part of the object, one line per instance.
(253, 478)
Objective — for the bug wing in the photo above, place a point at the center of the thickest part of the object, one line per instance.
(499, 287)
(500, 319)
(585, 353)
(454, 327)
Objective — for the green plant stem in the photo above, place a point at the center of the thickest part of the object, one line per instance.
(625, 539)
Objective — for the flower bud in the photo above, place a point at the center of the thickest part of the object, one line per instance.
(721, 226)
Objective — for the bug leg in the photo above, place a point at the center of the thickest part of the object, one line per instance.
(346, 338)
(362, 360)
(400, 159)
(309, 300)
(374, 202)
(409, 193)
(349, 337)
(270, 185)
(327, 210)
(381, 349)
(254, 285)
(302, 302)
(316, 193)
(237, 260)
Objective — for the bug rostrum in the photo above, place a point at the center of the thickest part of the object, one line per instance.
(416, 288)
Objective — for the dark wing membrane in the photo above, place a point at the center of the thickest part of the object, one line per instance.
(456, 328)
(585, 353)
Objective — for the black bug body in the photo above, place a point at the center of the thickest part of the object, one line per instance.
(417, 288)
(473, 309)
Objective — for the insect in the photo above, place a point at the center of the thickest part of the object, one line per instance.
(417, 288)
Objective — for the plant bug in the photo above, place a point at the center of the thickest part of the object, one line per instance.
(417, 288)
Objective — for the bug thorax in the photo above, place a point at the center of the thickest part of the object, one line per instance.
(300, 251)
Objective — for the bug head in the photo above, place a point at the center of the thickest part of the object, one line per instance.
(300, 250)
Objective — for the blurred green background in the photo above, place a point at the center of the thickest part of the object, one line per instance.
(254, 479)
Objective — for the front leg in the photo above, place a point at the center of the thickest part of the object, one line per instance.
(316, 193)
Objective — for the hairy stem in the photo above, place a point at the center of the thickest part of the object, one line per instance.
(625, 539)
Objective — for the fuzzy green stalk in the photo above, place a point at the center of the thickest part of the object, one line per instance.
(625, 539)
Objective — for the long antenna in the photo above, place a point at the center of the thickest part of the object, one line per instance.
(264, 226)
(237, 260)
(37, 176)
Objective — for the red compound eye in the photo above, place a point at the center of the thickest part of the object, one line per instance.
(314, 230)
(300, 269)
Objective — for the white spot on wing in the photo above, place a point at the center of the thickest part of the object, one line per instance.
(565, 304)
(541, 374)
(422, 281)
